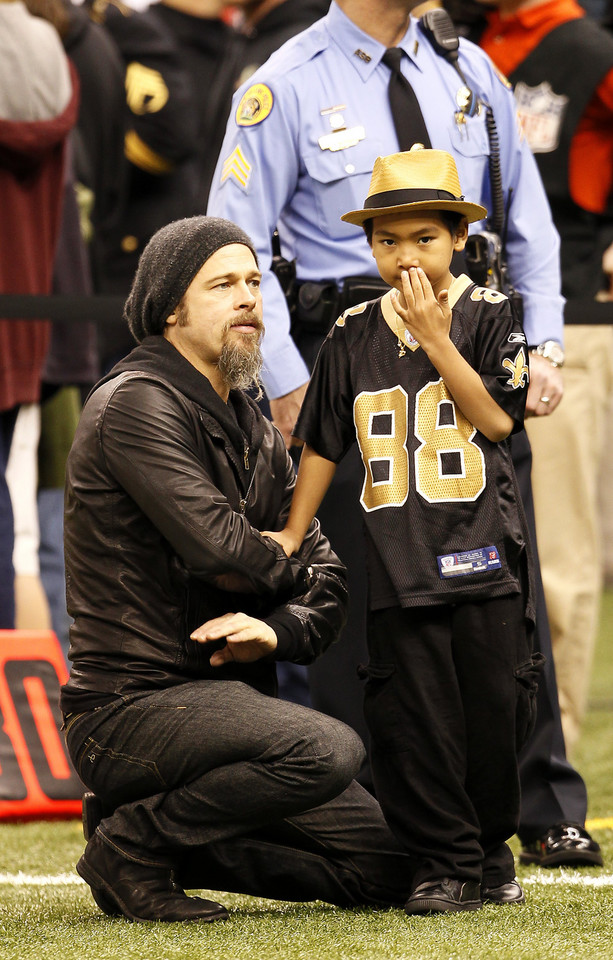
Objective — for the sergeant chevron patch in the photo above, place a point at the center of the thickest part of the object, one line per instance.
(237, 166)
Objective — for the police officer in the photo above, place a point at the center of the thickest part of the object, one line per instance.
(301, 142)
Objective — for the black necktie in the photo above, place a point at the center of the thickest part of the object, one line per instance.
(408, 118)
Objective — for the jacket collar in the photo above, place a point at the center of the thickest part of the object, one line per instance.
(240, 420)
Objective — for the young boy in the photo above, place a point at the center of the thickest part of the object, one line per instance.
(430, 380)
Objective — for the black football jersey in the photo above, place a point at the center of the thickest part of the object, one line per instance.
(442, 512)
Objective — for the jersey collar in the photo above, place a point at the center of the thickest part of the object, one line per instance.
(457, 288)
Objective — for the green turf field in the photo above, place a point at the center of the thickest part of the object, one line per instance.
(47, 912)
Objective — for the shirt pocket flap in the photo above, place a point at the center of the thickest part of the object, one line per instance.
(327, 166)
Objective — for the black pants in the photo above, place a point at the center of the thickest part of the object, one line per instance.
(342, 853)
(441, 705)
(239, 791)
(552, 790)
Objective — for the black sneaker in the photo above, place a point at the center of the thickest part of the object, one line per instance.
(443, 896)
(563, 845)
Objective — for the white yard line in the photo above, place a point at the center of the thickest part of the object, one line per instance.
(29, 880)
(563, 878)
(555, 878)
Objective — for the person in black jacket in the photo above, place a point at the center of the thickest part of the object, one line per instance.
(267, 24)
(181, 609)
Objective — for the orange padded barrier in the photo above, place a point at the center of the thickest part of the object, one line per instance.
(37, 780)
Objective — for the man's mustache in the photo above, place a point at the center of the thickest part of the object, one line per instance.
(246, 318)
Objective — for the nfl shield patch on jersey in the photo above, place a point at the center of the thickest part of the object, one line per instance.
(541, 112)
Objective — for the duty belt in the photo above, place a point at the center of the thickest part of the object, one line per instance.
(318, 305)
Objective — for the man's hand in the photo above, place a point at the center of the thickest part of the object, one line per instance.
(247, 639)
(546, 387)
(284, 538)
(285, 412)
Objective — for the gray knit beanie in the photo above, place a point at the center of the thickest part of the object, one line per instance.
(169, 263)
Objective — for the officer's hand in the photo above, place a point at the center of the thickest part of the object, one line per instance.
(546, 387)
(247, 639)
(285, 412)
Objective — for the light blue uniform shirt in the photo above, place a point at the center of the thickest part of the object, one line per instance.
(279, 172)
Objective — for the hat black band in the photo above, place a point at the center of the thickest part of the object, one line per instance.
(393, 198)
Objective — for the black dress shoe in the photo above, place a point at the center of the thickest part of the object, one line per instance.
(442, 896)
(510, 892)
(563, 845)
(140, 892)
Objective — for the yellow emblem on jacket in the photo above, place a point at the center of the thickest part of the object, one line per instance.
(255, 105)
(146, 90)
(518, 368)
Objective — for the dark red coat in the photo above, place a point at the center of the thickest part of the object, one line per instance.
(31, 185)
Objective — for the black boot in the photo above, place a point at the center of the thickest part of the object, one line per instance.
(93, 810)
(139, 891)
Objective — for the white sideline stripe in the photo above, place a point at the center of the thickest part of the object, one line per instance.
(561, 878)
(568, 879)
(28, 880)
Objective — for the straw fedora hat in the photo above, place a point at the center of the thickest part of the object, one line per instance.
(418, 179)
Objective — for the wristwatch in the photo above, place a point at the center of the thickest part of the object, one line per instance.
(550, 350)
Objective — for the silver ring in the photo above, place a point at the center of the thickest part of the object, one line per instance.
(544, 399)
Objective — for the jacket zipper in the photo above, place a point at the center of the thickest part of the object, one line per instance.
(243, 501)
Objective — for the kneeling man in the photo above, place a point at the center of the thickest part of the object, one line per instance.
(181, 608)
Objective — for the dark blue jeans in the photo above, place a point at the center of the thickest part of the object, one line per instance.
(237, 790)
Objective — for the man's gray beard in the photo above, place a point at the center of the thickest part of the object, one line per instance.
(240, 367)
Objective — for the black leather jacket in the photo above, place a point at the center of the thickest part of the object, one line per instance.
(166, 488)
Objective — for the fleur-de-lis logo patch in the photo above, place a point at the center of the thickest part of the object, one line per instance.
(518, 368)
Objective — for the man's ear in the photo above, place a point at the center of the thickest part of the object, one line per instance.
(461, 235)
(171, 320)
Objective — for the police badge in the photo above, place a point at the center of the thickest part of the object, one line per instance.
(255, 105)
(541, 112)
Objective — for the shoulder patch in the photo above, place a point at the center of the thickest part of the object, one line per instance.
(351, 312)
(518, 369)
(255, 105)
(146, 90)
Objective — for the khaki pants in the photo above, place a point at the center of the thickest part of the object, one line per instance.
(605, 497)
(567, 451)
